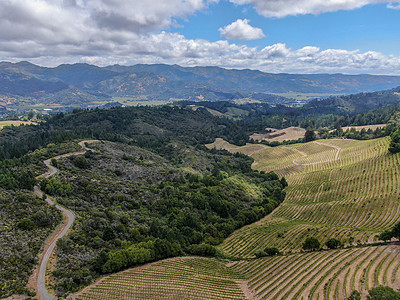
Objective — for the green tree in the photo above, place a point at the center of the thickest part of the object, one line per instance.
(54, 162)
(25, 224)
(383, 293)
(271, 251)
(355, 295)
(311, 243)
(81, 162)
(284, 182)
(309, 135)
(260, 253)
(394, 146)
(26, 180)
(333, 243)
(386, 235)
(396, 231)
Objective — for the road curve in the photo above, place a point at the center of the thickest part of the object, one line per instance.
(43, 294)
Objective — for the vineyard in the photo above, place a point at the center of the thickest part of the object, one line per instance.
(179, 278)
(323, 275)
(342, 189)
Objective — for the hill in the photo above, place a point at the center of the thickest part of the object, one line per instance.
(341, 189)
(149, 190)
(355, 104)
(24, 85)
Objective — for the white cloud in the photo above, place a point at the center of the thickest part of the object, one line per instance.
(241, 30)
(103, 32)
(283, 8)
(393, 5)
(173, 48)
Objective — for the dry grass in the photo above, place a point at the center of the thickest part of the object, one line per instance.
(15, 123)
(248, 149)
(287, 134)
(366, 127)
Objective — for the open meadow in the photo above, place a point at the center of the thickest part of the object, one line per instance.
(12, 123)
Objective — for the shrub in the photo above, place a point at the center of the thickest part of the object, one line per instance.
(386, 235)
(81, 162)
(311, 243)
(333, 243)
(260, 253)
(271, 251)
(204, 250)
(355, 295)
(383, 293)
(25, 224)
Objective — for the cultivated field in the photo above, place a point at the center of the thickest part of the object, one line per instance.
(343, 189)
(179, 278)
(322, 275)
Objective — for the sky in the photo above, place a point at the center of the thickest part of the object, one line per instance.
(275, 36)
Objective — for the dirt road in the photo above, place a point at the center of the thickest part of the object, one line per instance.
(41, 289)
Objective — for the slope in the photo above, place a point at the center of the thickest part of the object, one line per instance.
(340, 189)
(337, 188)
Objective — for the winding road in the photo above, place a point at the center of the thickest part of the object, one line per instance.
(41, 289)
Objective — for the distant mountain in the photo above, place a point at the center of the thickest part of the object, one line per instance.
(248, 81)
(84, 84)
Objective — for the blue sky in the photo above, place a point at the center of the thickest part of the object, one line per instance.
(292, 36)
(372, 27)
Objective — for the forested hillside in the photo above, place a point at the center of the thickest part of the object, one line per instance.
(150, 190)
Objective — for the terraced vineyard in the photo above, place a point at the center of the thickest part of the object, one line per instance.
(323, 275)
(343, 189)
(179, 278)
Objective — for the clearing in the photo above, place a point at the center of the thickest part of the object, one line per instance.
(287, 134)
(14, 123)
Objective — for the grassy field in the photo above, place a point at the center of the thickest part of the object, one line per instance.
(15, 123)
(343, 189)
(249, 149)
(287, 134)
(366, 127)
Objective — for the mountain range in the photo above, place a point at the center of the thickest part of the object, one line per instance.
(25, 84)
